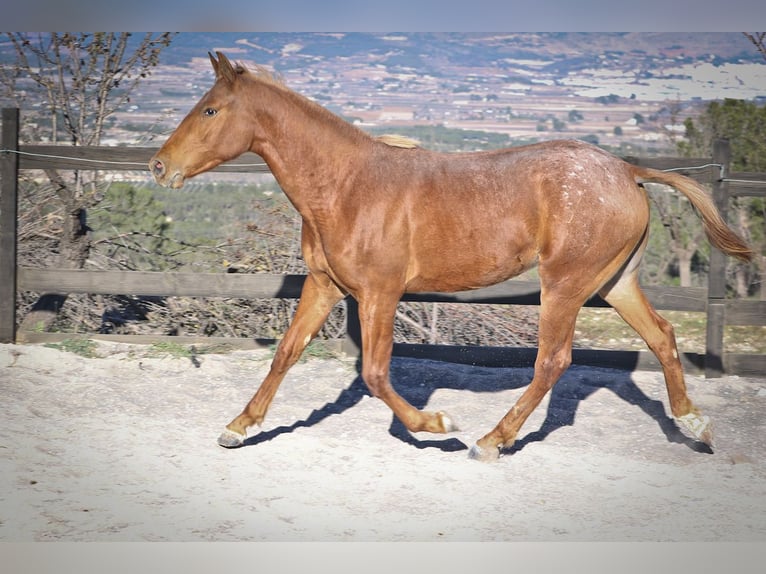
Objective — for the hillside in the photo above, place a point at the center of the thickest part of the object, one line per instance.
(619, 90)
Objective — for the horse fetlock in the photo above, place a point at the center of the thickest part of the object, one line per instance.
(433, 422)
(698, 426)
(447, 423)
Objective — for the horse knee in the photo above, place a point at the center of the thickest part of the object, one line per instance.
(550, 367)
(286, 355)
(376, 380)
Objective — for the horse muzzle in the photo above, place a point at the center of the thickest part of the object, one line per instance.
(164, 176)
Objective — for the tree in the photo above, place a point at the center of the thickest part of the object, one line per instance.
(687, 237)
(69, 84)
(131, 229)
(759, 41)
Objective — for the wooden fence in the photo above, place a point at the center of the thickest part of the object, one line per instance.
(719, 310)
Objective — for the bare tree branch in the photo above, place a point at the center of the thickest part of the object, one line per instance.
(74, 80)
(759, 41)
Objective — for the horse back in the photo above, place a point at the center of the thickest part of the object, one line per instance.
(450, 222)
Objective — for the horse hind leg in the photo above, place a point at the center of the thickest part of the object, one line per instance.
(627, 298)
(558, 314)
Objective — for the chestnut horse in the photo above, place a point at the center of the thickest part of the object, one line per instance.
(381, 218)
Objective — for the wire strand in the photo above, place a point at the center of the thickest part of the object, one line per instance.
(744, 181)
(263, 164)
(70, 158)
(102, 161)
(705, 166)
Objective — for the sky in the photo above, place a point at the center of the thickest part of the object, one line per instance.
(389, 15)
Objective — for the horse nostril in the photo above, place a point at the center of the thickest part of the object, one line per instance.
(158, 168)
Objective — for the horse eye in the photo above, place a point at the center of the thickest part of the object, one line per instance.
(210, 112)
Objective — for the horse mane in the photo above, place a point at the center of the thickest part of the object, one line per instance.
(263, 74)
(396, 140)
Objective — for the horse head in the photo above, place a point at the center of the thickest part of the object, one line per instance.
(212, 132)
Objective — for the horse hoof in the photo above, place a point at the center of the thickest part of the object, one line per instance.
(482, 454)
(447, 423)
(698, 427)
(231, 439)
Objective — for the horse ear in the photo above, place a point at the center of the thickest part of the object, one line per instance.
(223, 68)
(214, 62)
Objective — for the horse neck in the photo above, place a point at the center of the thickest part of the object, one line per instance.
(303, 144)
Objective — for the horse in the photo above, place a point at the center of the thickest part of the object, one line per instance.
(382, 217)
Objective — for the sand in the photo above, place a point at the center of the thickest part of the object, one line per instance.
(123, 448)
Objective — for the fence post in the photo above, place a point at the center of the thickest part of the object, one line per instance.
(9, 177)
(716, 291)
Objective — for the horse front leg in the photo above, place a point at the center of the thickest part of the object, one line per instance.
(318, 297)
(376, 317)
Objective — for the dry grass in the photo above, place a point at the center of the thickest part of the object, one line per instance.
(604, 329)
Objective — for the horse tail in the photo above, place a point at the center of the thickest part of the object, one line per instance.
(716, 229)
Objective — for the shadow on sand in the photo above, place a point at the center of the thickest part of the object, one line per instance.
(417, 379)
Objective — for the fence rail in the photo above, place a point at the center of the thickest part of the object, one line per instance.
(719, 311)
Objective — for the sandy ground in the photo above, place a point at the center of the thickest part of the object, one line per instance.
(123, 448)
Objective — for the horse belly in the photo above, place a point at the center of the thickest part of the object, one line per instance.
(468, 266)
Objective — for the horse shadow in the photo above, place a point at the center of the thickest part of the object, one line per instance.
(417, 379)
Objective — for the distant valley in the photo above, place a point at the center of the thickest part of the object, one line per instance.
(627, 91)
